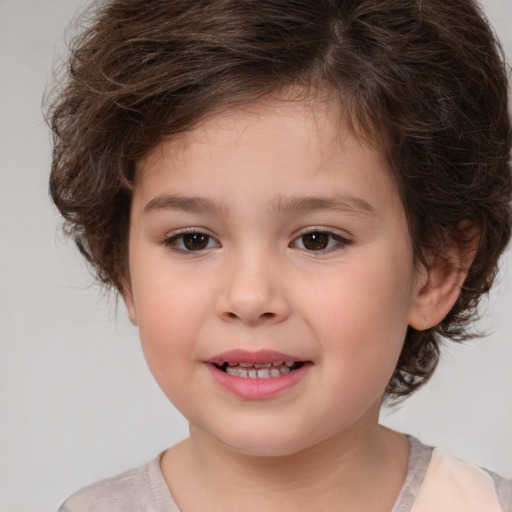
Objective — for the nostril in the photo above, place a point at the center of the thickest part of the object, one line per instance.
(251, 310)
(263, 316)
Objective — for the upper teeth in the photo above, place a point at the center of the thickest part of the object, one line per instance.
(259, 370)
(262, 365)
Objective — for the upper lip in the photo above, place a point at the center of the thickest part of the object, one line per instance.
(256, 357)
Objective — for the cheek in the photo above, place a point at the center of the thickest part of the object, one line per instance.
(360, 318)
(361, 298)
(168, 317)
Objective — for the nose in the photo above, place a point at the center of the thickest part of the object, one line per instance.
(252, 291)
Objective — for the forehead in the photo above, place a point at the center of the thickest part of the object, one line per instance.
(293, 143)
(284, 118)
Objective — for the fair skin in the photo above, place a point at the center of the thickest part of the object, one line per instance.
(267, 229)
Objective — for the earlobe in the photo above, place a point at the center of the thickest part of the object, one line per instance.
(438, 286)
(129, 302)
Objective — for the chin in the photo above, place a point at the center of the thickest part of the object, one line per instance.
(267, 443)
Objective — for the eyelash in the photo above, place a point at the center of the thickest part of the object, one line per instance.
(176, 242)
(334, 241)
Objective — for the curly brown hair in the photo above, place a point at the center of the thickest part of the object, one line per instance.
(424, 80)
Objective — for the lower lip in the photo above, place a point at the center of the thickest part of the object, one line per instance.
(257, 389)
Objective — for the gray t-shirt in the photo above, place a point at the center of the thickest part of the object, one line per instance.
(144, 489)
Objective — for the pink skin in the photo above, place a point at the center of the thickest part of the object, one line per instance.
(265, 176)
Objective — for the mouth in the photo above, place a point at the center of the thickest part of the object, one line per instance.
(267, 370)
(258, 375)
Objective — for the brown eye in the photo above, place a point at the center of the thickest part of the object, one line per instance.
(195, 241)
(320, 241)
(315, 241)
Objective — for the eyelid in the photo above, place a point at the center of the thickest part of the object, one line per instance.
(324, 229)
(344, 235)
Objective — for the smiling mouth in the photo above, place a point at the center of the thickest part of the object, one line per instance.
(259, 370)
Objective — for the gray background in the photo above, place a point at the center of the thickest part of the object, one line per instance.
(76, 400)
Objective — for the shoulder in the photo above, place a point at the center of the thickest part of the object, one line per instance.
(453, 484)
(112, 494)
(136, 490)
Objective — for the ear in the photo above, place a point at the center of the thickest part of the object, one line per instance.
(128, 299)
(438, 287)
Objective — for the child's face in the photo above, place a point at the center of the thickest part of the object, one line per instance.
(271, 232)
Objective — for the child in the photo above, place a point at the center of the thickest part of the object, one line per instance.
(296, 200)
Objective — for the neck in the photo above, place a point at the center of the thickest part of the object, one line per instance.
(359, 471)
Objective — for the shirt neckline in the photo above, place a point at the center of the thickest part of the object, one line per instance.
(160, 498)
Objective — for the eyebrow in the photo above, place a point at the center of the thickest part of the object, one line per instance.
(186, 204)
(340, 203)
